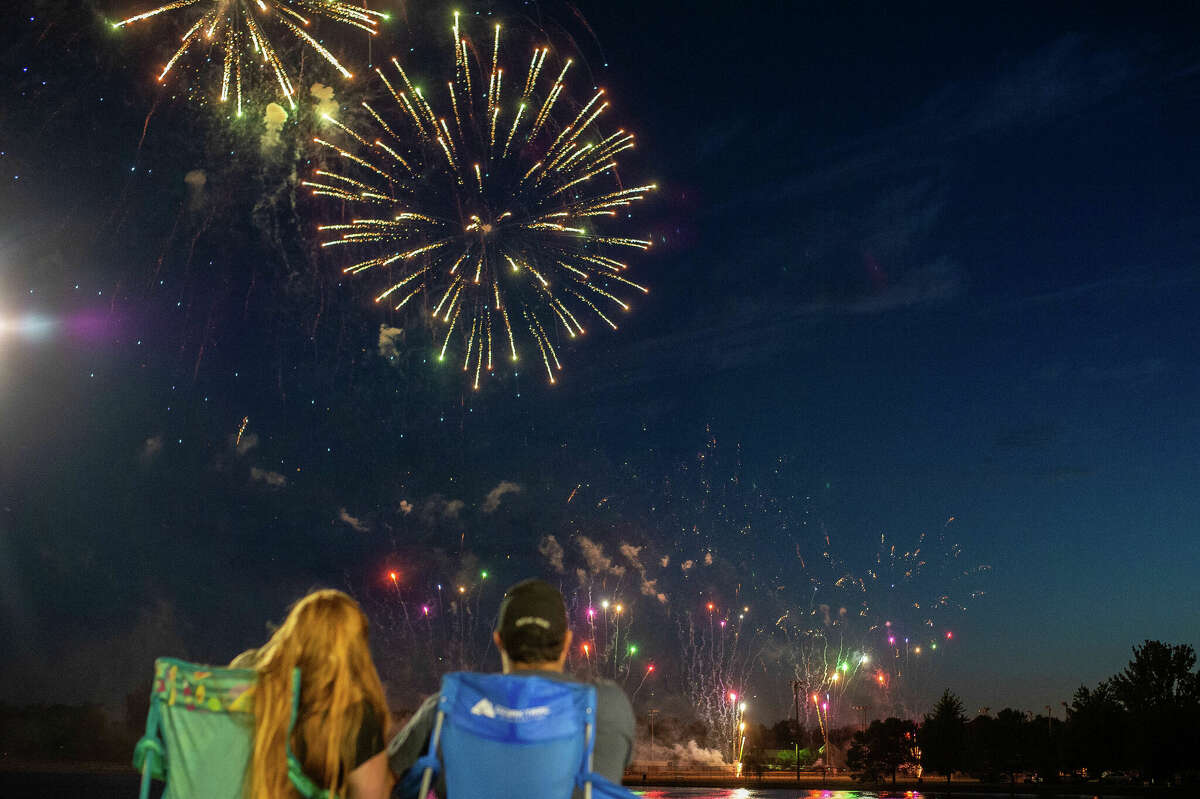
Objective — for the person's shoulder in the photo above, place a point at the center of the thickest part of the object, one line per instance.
(606, 685)
(611, 694)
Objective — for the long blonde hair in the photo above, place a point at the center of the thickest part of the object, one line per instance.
(325, 634)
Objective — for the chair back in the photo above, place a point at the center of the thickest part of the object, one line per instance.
(512, 737)
(200, 733)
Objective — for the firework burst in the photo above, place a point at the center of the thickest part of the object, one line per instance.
(240, 31)
(490, 210)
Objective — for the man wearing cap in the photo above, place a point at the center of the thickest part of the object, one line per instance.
(533, 639)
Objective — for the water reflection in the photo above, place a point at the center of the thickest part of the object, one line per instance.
(772, 793)
(792, 793)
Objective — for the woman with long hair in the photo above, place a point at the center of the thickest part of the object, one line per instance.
(343, 718)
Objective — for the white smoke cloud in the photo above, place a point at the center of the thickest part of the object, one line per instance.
(326, 105)
(249, 441)
(597, 561)
(354, 522)
(272, 479)
(491, 503)
(195, 180)
(678, 755)
(273, 118)
(389, 339)
(150, 448)
(552, 551)
(631, 554)
(648, 587)
(437, 509)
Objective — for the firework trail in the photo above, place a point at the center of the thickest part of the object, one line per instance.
(917, 593)
(824, 665)
(490, 209)
(605, 644)
(864, 630)
(240, 31)
(602, 613)
(424, 626)
(719, 652)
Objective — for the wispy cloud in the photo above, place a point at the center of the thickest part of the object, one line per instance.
(597, 562)
(391, 339)
(647, 585)
(248, 442)
(326, 104)
(353, 521)
(267, 477)
(491, 503)
(437, 508)
(858, 228)
(552, 551)
(150, 448)
(274, 117)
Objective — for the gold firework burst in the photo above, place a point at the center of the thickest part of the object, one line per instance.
(498, 213)
(239, 30)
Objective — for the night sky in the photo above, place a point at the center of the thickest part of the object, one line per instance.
(924, 269)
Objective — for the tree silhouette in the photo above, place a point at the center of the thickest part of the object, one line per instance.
(882, 748)
(1096, 725)
(1161, 696)
(943, 736)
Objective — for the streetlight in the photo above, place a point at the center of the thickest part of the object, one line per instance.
(796, 699)
(650, 720)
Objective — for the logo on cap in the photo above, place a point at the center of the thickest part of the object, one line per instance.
(540, 622)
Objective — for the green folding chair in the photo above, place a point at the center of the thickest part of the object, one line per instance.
(200, 733)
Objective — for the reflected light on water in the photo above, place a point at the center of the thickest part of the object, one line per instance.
(785, 793)
(820, 793)
(770, 793)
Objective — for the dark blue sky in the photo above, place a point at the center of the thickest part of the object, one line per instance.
(943, 261)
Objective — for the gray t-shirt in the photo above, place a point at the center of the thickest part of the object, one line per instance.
(614, 732)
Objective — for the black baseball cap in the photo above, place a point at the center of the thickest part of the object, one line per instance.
(533, 613)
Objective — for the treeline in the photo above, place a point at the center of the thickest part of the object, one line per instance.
(71, 733)
(38, 733)
(1142, 723)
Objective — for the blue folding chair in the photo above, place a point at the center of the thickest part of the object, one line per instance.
(507, 737)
